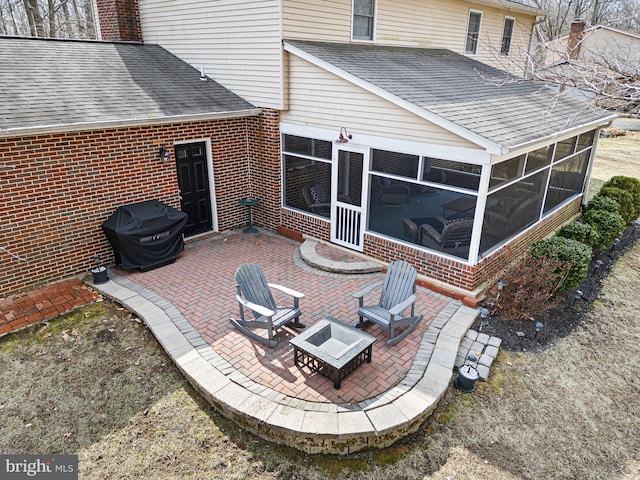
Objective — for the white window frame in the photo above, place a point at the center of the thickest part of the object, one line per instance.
(513, 31)
(373, 25)
(466, 38)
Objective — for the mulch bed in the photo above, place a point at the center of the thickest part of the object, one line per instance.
(566, 316)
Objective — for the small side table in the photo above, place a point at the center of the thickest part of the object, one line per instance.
(250, 202)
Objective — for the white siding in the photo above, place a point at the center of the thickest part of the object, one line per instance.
(321, 21)
(609, 46)
(434, 24)
(237, 42)
(320, 99)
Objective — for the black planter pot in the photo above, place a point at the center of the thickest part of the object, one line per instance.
(467, 377)
(99, 275)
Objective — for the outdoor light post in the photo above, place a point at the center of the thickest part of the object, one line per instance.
(538, 326)
(596, 265)
(577, 295)
(484, 314)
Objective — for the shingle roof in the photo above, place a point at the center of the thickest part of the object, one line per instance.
(46, 83)
(461, 94)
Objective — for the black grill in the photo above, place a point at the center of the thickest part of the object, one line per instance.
(145, 235)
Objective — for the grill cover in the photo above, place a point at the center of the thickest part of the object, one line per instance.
(145, 235)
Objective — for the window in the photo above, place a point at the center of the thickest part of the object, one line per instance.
(394, 163)
(473, 32)
(512, 209)
(507, 34)
(567, 180)
(363, 19)
(455, 174)
(506, 171)
(539, 158)
(565, 148)
(307, 174)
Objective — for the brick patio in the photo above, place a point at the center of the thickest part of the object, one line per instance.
(201, 285)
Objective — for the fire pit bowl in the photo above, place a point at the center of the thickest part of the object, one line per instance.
(332, 348)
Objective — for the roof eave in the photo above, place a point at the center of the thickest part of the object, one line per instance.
(491, 147)
(510, 6)
(593, 124)
(127, 122)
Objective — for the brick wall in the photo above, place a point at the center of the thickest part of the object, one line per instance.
(119, 20)
(57, 189)
(264, 167)
(433, 266)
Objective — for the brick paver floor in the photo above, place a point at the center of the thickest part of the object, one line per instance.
(201, 285)
(40, 304)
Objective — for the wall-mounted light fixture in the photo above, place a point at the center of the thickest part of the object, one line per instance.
(344, 136)
(164, 154)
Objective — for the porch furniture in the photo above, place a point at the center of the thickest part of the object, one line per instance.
(459, 205)
(388, 193)
(318, 200)
(332, 348)
(455, 237)
(398, 293)
(510, 216)
(412, 226)
(254, 294)
(250, 202)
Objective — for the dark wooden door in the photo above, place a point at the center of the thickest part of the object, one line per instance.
(193, 182)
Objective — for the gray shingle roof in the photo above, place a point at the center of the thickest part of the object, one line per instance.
(463, 94)
(59, 83)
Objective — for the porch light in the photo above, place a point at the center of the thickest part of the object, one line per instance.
(164, 154)
(344, 136)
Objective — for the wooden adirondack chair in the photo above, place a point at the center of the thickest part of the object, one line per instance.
(254, 294)
(398, 293)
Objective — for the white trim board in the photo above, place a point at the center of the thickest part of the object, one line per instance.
(445, 152)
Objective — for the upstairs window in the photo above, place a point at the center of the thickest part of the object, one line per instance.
(473, 32)
(363, 19)
(507, 35)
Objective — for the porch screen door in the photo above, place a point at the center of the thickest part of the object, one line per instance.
(347, 212)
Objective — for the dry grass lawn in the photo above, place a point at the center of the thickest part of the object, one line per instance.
(97, 384)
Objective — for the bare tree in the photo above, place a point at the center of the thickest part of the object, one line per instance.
(47, 18)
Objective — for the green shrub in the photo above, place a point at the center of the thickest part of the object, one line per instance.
(608, 225)
(628, 184)
(573, 253)
(607, 204)
(582, 232)
(624, 199)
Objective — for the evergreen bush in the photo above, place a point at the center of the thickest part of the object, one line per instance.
(625, 200)
(574, 254)
(582, 232)
(608, 225)
(628, 184)
(607, 204)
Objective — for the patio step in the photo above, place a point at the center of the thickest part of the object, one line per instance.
(308, 252)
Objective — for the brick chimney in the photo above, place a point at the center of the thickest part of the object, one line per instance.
(575, 38)
(119, 20)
